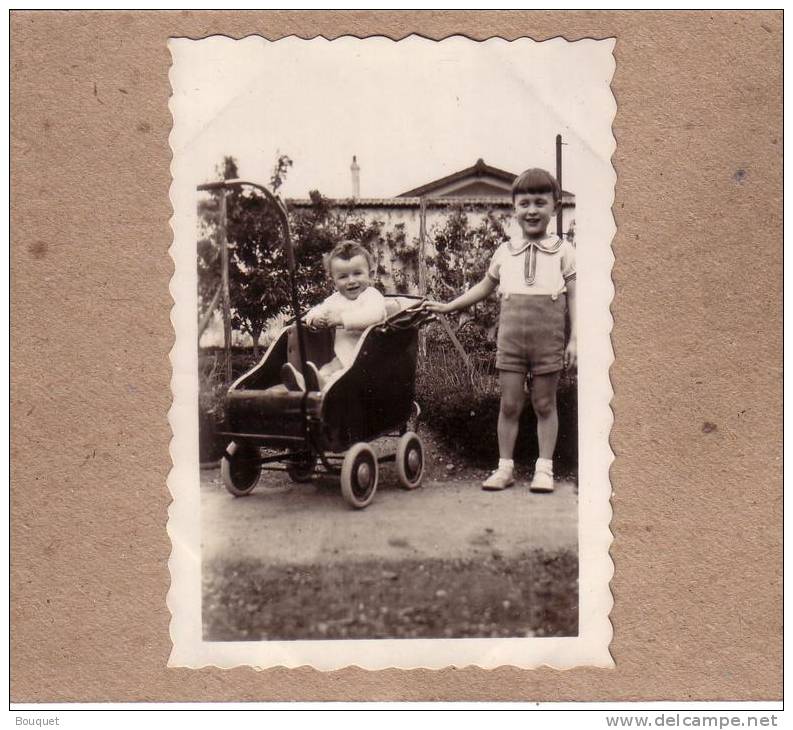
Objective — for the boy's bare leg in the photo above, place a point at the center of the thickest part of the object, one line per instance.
(512, 400)
(543, 400)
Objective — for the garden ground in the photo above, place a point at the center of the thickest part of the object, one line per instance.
(293, 561)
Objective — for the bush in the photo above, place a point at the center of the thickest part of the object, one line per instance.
(461, 409)
(212, 388)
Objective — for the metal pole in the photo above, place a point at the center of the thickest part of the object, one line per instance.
(224, 257)
(559, 179)
(422, 262)
(422, 265)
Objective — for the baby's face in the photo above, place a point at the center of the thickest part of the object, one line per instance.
(533, 211)
(350, 276)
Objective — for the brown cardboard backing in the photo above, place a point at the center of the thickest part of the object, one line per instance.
(697, 376)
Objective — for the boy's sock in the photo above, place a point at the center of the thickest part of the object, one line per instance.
(506, 465)
(544, 465)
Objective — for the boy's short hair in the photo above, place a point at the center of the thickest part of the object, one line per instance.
(536, 181)
(348, 250)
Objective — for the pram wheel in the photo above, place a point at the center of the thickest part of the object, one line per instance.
(240, 468)
(359, 475)
(410, 460)
(302, 468)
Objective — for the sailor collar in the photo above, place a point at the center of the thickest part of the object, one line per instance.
(547, 246)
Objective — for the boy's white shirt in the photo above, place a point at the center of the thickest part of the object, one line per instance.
(356, 315)
(553, 269)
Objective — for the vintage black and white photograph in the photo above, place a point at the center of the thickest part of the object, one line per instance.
(392, 345)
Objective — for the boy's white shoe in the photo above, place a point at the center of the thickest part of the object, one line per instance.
(543, 476)
(501, 478)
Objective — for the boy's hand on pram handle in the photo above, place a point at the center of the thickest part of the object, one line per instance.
(437, 307)
(410, 317)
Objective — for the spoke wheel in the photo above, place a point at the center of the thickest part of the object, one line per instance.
(410, 460)
(359, 473)
(240, 468)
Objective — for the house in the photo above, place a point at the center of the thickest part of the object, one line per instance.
(479, 189)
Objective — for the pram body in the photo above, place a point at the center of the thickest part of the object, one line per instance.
(372, 398)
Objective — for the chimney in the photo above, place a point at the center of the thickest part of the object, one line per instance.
(356, 178)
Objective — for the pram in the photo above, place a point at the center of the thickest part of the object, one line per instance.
(328, 430)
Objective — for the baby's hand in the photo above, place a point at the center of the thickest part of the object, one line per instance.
(315, 321)
(439, 307)
(311, 321)
(325, 320)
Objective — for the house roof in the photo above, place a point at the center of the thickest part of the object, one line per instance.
(477, 170)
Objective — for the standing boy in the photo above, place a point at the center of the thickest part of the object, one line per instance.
(535, 275)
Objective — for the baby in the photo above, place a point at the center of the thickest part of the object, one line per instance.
(354, 306)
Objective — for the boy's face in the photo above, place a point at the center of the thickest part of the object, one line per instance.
(533, 212)
(350, 276)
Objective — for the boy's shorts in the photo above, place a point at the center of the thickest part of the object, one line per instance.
(531, 330)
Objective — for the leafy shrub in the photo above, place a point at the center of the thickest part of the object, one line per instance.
(462, 252)
(212, 388)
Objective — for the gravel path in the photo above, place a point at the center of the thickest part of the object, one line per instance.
(282, 523)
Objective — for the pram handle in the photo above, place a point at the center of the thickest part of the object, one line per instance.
(417, 297)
